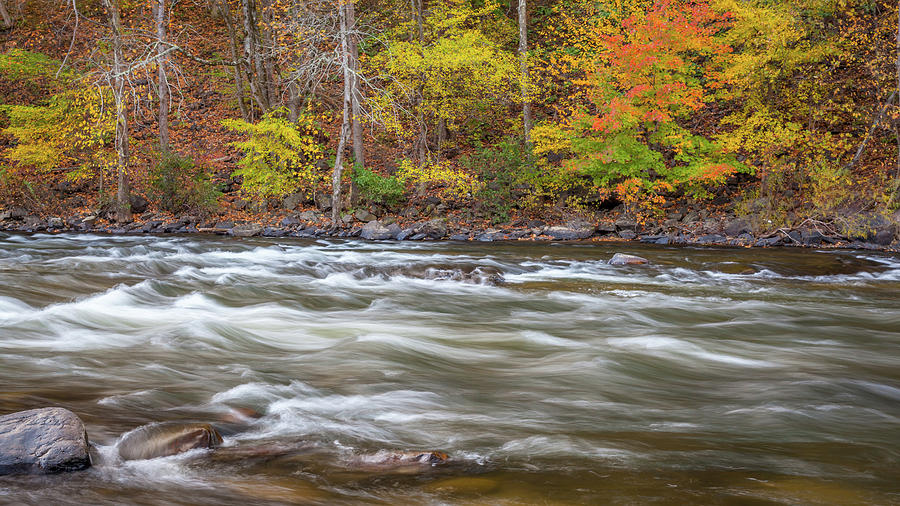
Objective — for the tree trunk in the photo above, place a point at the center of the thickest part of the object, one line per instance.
(7, 20)
(123, 204)
(345, 122)
(523, 63)
(238, 72)
(252, 52)
(422, 141)
(359, 151)
(271, 76)
(163, 79)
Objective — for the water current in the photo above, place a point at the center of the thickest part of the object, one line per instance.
(709, 376)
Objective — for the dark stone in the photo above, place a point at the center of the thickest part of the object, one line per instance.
(536, 223)
(625, 259)
(627, 235)
(625, 224)
(434, 229)
(16, 213)
(737, 227)
(811, 237)
(308, 216)
(323, 202)
(288, 221)
(151, 226)
(459, 237)
(663, 240)
(652, 239)
(883, 237)
(375, 231)
(292, 201)
(768, 242)
(247, 230)
(606, 228)
(55, 222)
(711, 239)
(273, 232)
(34, 222)
(394, 229)
(795, 237)
(432, 200)
(405, 233)
(43, 441)
(418, 237)
(224, 225)
(164, 439)
(138, 203)
(364, 215)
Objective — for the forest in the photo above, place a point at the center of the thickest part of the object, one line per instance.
(664, 114)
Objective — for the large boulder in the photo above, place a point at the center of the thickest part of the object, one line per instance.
(737, 227)
(375, 231)
(433, 229)
(571, 231)
(246, 230)
(43, 441)
(165, 439)
(292, 201)
(138, 203)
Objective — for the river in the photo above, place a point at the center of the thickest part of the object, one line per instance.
(711, 375)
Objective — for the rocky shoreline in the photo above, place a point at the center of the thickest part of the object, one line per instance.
(881, 234)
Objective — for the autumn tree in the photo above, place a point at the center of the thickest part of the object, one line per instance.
(652, 76)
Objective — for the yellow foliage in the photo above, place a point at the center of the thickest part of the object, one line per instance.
(74, 128)
(452, 181)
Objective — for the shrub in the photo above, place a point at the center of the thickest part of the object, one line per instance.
(280, 155)
(377, 188)
(451, 181)
(178, 184)
(502, 167)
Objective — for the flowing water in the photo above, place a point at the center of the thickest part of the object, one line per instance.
(710, 376)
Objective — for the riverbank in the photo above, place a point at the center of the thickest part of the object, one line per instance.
(878, 233)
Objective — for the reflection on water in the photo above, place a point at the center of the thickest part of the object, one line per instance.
(720, 376)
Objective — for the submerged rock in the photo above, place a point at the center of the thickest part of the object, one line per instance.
(392, 460)
(43, 441)
(165, 439)
(624, 259)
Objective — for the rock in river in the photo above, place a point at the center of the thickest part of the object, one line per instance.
(396, 461)
(168, 438)
(623, 259)
(43, 441)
